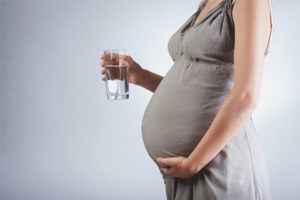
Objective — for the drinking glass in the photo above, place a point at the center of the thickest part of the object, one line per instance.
(116, 75)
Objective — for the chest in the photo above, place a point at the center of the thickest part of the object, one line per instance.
(211, 35)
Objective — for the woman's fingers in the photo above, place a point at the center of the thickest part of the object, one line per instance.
(103, 72)
(108, 62)
(113, 59)
(110, 56)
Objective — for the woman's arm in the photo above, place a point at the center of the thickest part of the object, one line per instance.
(148, 80)
(251, 19)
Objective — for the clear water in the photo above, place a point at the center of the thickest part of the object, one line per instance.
(117, 85)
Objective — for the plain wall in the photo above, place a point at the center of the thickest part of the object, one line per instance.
(60, 138)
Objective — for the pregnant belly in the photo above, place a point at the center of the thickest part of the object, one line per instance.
(182, 108)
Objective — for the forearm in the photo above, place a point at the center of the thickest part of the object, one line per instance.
(149, 80)
(231, 116)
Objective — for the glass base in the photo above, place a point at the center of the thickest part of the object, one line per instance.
(119, 97)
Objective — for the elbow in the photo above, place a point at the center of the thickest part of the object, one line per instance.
(250, 102)
(246, 100)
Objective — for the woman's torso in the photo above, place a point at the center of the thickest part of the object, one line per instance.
(187, 99)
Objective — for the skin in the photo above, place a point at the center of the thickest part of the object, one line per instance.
(252, 29)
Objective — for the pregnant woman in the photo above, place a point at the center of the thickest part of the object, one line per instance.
(198, 125)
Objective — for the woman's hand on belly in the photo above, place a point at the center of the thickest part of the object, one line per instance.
(178, 167)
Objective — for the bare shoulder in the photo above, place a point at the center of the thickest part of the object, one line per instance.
(252, 19)
(256, 7)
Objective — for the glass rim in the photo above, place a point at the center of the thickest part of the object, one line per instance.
(116, 50)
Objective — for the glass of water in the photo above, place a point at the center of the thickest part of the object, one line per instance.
(116, 75)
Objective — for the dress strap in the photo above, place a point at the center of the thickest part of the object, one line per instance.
(232, 2)
(202, 4)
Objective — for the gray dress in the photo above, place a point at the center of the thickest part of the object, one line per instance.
(185, 103)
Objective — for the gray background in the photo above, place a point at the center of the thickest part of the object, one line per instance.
(60, 138)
